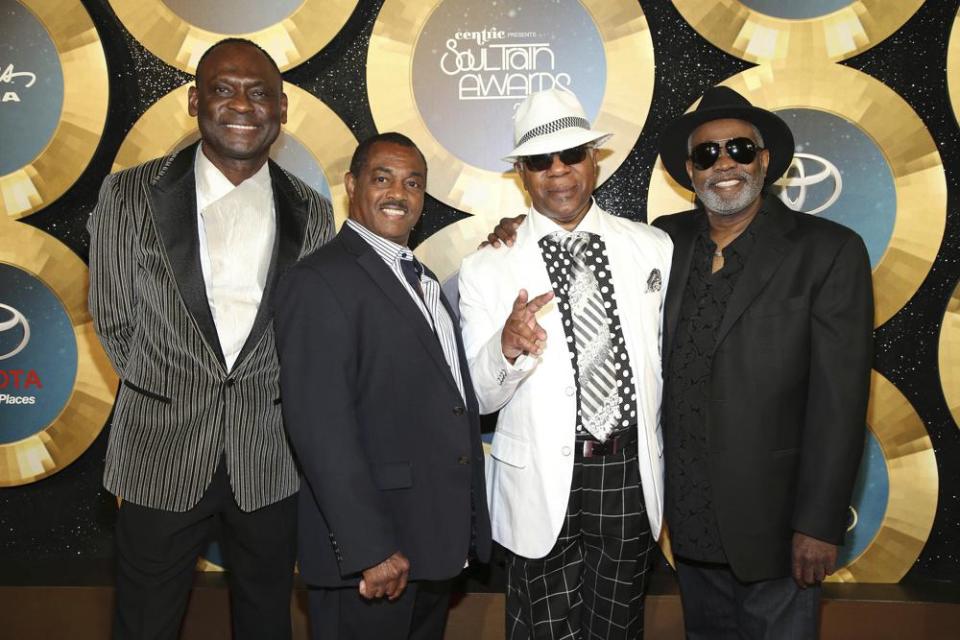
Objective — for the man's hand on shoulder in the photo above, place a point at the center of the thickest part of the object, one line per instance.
(521, 332)
(813, 560)
(505, 232)
(389, 578)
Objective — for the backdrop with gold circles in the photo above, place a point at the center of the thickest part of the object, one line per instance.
(862, 81)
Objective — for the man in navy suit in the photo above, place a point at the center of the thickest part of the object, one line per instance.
(382, 415)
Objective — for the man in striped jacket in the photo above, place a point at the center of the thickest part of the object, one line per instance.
(184, 255)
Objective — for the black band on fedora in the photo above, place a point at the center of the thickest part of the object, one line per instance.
(554, 126)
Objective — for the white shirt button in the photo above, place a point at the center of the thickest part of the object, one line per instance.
(565, 451)
(570, 390)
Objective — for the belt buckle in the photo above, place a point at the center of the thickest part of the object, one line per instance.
(594, 448)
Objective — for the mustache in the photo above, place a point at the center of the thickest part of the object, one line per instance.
(733, 174)
(395, 204)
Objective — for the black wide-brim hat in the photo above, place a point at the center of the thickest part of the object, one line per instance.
(719, 103)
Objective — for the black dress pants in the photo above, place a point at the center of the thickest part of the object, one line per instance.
(342, 614)
(717, 606)
(157, 553)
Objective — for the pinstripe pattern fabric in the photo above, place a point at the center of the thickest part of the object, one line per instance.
(177, 408)
(590, 586)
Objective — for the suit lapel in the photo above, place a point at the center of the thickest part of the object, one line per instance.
(768, 252)
(291, 216)
(683, 242)
(471, 399)
(380, 273)
(173, 206)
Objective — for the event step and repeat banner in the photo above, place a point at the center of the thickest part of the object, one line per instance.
(91, 87)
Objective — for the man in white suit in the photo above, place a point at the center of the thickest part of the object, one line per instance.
(564, 341)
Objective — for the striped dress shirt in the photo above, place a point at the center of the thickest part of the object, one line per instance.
(430, 306)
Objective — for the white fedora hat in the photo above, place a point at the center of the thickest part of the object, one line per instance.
(549, 121)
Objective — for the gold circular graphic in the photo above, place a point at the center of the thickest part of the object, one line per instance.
(914, 487)
(628, 49)
(84, 111)
(757, 37)
(949, 355)
(953, 67)
(898, 132)
(166, 126)
(91, 399)
(290, 41)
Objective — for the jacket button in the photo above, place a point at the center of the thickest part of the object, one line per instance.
(565, 451)
(463, 460)
(458, 411)
(230, 382)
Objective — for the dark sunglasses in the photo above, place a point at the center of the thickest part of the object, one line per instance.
(543, 161)
(740, 150)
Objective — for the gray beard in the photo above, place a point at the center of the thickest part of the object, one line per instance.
(718, 204)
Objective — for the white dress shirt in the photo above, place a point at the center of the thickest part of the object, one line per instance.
(236, 260)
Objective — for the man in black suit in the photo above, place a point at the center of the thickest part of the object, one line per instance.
(767, 350)
(184, 254)
(382, 415)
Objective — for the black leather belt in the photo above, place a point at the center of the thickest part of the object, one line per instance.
(613, 445)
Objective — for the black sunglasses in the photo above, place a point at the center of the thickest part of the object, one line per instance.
(543, 161)
(740, 150)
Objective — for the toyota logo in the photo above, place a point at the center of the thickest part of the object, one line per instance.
(801, 180)
(8, 325)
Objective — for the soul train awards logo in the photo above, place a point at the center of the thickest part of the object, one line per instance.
(9, 77)
(487, 69)
(475, 62)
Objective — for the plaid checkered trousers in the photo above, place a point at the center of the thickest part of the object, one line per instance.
(590, 585)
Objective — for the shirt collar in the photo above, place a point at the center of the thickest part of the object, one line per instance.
(541, 225)
(742, 242)
(213, 185)
(389, 250)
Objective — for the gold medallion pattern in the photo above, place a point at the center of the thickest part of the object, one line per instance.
(953, 67)
(914, 487)
(180, 44)
(84, 112)
(900, 134)
(91, 399)
(949, 355)
(751, 35)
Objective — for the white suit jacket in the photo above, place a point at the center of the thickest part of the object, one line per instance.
(531, 467)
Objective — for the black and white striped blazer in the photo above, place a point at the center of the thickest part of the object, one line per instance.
(178, 409)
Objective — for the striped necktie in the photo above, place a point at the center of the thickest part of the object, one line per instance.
(599, 397)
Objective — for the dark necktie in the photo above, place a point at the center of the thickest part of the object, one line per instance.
(412, 270)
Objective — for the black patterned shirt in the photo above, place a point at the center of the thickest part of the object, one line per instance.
(689, 497)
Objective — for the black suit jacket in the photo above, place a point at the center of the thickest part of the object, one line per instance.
(788, 386)
(390, 452)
